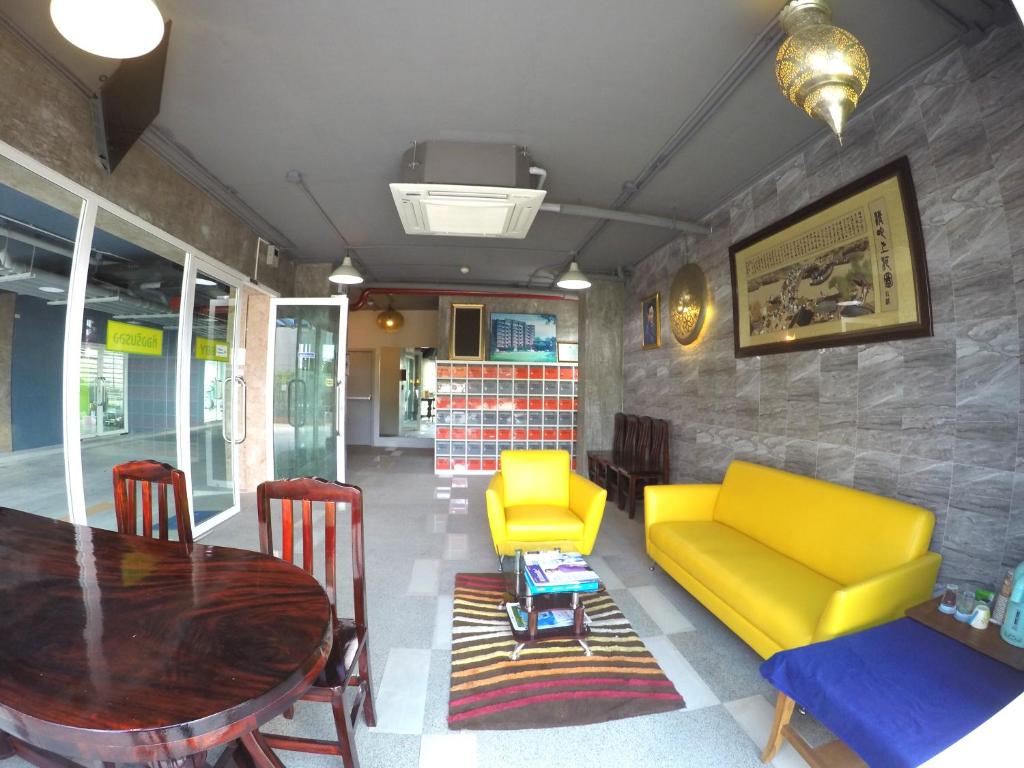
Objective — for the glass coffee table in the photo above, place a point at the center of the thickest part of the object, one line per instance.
(531, 606)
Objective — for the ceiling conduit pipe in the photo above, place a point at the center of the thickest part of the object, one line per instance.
(448, 290)
(625, 216)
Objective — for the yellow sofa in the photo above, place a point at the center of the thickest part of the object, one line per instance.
(786, 560)
(536, 501)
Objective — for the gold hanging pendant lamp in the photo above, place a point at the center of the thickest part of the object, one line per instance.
(821, 68)
(390, 320)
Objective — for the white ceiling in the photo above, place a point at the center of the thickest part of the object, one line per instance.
(594, 88)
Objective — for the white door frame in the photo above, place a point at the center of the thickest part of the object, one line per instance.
(194, 260)
(341, 348)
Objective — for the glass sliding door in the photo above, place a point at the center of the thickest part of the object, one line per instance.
(39, 222)
(128, 381)
(307, 341)
(216, 399)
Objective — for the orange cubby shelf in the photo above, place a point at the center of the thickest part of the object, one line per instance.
(477, 417)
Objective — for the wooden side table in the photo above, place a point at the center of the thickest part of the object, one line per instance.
(986, 641)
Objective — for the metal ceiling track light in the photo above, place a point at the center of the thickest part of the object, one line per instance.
(116, 29)
(573, 279)
(821, 68)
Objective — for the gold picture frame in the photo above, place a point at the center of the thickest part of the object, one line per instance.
(650, 322)
(466, 332)
(847, 269)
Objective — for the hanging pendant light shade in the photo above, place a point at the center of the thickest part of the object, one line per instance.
(821, 68)
(116, 29)
(573, 279)
(390, 320)
(346, 273)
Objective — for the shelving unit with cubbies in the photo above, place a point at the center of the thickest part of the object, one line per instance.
(484, 408)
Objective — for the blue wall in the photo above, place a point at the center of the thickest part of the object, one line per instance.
(37, 374)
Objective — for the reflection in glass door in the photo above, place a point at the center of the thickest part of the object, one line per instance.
(306, 342)
(101, 392)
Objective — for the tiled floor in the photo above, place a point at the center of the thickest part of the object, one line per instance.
(422, 530)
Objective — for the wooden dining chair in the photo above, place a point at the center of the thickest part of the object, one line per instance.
(597, 461)
(349, 662)
(149, 473)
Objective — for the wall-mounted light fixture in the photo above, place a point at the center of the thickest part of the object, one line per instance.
(688, 300)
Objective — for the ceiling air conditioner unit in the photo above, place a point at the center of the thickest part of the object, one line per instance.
(467, 189)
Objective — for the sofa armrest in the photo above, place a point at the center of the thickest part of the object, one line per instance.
(495, 497)
(677, 503)
(587, 501)
(879, 599)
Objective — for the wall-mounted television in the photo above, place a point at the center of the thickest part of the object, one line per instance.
(128, 102)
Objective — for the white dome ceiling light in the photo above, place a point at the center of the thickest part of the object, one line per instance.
(346, 273)
(116, 29)
(573, 279)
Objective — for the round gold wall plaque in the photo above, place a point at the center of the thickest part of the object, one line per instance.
(688, 303)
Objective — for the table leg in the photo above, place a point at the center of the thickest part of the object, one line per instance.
(260, 752)
(577, 614)
(783, 712)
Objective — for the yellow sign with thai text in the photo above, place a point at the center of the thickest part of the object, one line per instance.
(135, 339)
(211, 349)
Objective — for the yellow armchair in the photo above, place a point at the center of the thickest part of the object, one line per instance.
(538, 502)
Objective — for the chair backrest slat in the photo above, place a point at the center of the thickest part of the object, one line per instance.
(307, 535)
(149, 473)
(287, 531)
(164, 525)
(618, 432)
(330, 546)
(629, 433)
(310, 491)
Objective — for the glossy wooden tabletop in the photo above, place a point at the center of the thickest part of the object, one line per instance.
(120, 648)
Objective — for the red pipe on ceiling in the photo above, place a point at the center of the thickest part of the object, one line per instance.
(364, 296)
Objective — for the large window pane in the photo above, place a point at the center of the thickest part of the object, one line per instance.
(38, 224)
(127, 405)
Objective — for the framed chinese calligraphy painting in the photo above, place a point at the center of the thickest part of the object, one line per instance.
(847, 269)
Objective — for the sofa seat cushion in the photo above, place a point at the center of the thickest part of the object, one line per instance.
(542, 522)
(779, 596)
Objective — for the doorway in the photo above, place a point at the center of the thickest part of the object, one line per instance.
(307, 337)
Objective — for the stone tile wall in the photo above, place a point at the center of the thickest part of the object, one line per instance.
(934, 421)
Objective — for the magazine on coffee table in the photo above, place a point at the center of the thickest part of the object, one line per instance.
(556, 618)
(552, 571)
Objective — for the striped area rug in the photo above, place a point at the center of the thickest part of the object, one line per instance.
(553, 683)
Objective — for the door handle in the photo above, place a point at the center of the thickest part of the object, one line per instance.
(339, 415)
(245, 410)
(224, 384)
(290, 400)
(232, 381)
(293, 387)
(359, 397)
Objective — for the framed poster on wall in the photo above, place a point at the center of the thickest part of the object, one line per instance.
(847, 269)
(522, 338)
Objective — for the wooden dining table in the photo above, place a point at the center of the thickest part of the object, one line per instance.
(117, 648)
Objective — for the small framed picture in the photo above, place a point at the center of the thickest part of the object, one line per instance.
(568, 352)
(651, 317)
